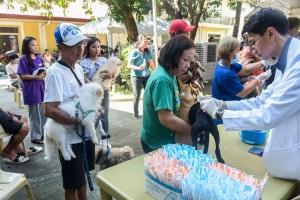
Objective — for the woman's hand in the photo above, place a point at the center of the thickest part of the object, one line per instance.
(142, 66)
(41, 76)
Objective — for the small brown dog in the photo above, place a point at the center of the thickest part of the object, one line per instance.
(194, 75)
(109, 157)
(190, 86)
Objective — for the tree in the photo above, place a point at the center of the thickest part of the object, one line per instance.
(192, 10)
(237, 6)
(237, 19)
(125, 10)
(119, 10)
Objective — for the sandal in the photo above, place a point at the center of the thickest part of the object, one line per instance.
(37, 141)
(34, 150)
(18, 160)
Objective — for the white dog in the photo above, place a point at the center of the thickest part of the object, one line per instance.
(90, 97)
(112, 66)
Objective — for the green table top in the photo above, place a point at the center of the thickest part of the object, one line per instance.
(127, 180)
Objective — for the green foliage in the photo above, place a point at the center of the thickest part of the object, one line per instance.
(232, 4)
(122, 82)
(119, 8)
(212, 9)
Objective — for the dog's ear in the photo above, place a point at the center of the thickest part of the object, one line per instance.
(100, 92)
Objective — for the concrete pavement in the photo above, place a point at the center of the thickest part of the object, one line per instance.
(44, 176)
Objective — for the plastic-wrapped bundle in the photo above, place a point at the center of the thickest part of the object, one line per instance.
(200, 176)
(187, 155)
(166, 170)
(209, 183)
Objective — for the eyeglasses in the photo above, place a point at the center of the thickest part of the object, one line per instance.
(81, 44)
(253, 43)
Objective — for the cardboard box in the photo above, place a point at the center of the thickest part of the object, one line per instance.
(159, 190)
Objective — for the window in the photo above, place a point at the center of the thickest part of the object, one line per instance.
(216, 37)
(9, 39)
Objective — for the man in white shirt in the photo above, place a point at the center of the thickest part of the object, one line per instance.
(277, 108)
(62, 86)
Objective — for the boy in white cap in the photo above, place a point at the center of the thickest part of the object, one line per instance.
(63, 81)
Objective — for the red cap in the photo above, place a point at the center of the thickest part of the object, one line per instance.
(180, 25)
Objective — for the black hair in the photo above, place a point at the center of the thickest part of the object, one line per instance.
(170, 54)
(26, 50)
(178, 33)
(294, 22)
(259, 22)
(211, 39)
(86, 52)
(12, 56)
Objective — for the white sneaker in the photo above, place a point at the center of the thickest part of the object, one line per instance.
(105, 143)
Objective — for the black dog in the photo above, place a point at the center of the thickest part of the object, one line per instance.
(202, 122)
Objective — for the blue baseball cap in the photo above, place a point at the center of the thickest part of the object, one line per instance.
(68, 34)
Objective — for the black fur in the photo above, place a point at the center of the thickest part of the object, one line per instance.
(202, 122)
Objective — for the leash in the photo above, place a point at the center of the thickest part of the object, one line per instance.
(106, 136)
(86, 165)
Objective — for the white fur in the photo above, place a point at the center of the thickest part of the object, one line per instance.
(56, 134)
(113, 66)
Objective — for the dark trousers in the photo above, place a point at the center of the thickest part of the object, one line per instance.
(145, 147)
(137, 83)
(105, 104)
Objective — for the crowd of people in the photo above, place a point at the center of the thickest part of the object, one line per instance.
(268, 51)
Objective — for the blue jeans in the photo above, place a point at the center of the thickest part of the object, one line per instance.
(104, 117)
(137, 83)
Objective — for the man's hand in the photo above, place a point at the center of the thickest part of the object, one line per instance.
(219, 103)
(264, 76)
(210, 107)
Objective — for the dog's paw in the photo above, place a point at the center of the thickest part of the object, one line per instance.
(95, 140)
(105, 144)
(67, 157)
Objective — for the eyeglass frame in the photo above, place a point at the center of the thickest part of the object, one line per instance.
(81, 44)
(253, 43)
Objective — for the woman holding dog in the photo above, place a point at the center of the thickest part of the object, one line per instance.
(139, 61)
(90, 64)
(161, 97)
(226, 84)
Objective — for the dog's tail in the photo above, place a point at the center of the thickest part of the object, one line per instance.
(48, 144)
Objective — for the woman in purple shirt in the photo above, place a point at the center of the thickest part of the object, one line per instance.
(33, 87)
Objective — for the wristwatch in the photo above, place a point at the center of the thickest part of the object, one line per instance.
(219, 113)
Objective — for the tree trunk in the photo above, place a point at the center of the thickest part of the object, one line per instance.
(195, 17)
(237, 19)
(131, 27)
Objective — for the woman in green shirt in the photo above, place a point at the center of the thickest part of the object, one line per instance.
(161, 97)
